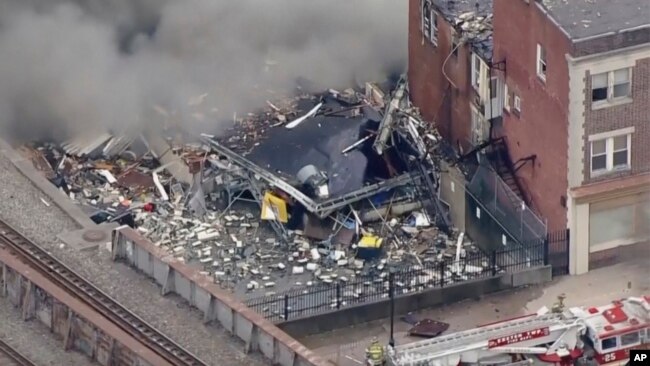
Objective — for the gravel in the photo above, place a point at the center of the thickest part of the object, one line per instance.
(21, 204)
(34, 340)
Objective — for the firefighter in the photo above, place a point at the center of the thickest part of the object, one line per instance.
(375, 353)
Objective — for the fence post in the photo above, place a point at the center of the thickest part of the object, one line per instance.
(567, 247)
(338, 295)
(286, 307)
(546, 249)
(442, 273)
(391, 294)
(493, 262)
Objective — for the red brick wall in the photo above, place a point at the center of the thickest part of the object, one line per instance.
(430, 91)
(636, 113)
(542, 127)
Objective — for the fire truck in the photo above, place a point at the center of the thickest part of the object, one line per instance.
(591, 336)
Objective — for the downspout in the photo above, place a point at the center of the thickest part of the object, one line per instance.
(490, 121)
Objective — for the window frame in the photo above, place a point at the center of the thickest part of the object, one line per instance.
(476, 71)
(615, 345)
(426, 19)
(434, 27)
(609, 154)
(455, 42)
(611, 84)
(541, 64)
(429, 22)
(517, 103)
(637, 340)
(506, 97)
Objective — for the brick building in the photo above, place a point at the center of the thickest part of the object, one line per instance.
(450, 50)
(572, 80)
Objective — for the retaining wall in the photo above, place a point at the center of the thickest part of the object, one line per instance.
(362, 313)
(80, 327)
(174, 276)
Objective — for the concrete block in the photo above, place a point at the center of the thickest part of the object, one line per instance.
(286, 356)
(225, 316)
(145, 263)
(202, 300)
(160, 271)
(266, 344)
(182, 286)
(243, 328)
(532, 277)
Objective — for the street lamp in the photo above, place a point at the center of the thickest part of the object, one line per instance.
(391, 294)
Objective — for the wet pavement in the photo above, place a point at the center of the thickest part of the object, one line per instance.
(345, 347)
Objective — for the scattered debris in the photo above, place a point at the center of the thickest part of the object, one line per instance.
(428, 328)
(347, 189)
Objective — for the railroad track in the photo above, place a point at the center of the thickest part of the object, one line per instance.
(11, 357)
(37, 258)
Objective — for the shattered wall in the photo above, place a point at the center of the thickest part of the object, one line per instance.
(72, 64)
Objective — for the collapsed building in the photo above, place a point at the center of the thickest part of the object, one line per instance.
(347, 181)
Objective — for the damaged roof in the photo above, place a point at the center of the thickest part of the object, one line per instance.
(590, 18)
(317, 141)
(473, 20)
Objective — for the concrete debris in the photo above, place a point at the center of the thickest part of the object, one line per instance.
(253, 219)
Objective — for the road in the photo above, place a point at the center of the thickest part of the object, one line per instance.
(597, 287)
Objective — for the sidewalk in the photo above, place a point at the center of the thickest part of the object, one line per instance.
(345, 347)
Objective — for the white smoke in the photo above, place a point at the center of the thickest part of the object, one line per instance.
(70, 65)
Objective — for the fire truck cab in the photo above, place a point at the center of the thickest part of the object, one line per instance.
(615, 329)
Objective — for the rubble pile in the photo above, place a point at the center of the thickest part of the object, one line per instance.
(312, 190)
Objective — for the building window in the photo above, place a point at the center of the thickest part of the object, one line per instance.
(608, 343)
(494, 88)
(426, 19)
(609, 154)
(454, 43)
(506, 97)
(624, 219)
(541, 62)
(517, 104)
(476, 71)
(611, 86)
(629, 339)
(434, 28)
(429, 22)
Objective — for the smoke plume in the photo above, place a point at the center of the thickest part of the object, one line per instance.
(84, 65)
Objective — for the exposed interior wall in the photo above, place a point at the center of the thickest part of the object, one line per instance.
(430, 90)
(452, 193)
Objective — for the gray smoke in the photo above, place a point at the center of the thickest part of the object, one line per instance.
(71, 65)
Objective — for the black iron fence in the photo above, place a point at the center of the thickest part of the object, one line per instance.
(372, 287)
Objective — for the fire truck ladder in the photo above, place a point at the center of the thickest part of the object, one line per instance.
(430, 350)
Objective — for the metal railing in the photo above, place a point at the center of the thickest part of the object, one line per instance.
(505, 206)
(406, 280)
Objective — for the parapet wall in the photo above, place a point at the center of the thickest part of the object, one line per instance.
(173, 275)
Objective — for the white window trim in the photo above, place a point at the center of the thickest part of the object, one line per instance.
(517, 103)
(433, 22)
(609, 151)
(506, 97)
(613, 133)
(426, 4)
(434, 27)
(611, 100)
(476, 73)
(538, 64)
